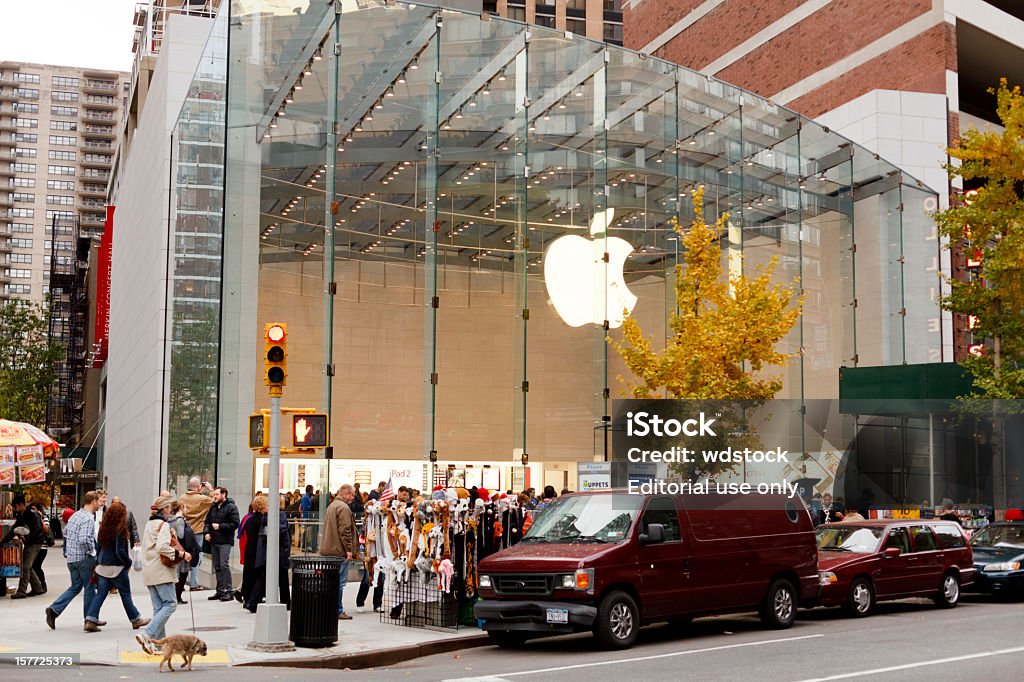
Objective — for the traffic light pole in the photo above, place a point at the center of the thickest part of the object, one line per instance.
(271, 632)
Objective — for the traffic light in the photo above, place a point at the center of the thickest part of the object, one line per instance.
(259, 431)
(275, 337)
(309, 430)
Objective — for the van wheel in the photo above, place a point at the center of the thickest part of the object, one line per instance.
(779, 608)
(618, 621)
(507, 640)
(949, 593)
(861, 599)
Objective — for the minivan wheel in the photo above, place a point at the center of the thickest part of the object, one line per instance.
(949, 593)
(618, 621)
(506, 639)
(861, 599)
(779, 608)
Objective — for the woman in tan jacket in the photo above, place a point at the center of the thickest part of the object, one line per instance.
(158, 577)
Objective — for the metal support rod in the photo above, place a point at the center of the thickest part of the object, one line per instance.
(931, 459)
(274, 501)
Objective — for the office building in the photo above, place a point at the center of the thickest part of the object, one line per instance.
(597, 19)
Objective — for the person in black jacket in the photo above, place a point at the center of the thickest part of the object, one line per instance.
(258, 539)
(133, 528)
(112, 565)
(27, 530)
(221, 523)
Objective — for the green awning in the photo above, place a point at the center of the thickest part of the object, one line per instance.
(902, 389)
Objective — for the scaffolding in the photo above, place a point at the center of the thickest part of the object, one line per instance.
(69, 312)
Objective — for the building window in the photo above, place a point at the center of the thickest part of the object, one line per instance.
(613, 33)
(59, 200)
(59, 96)
(22, 213)
(24, 168)
(576, 4)
(26, 108)
(64, 185)
(26, 93)
(20, 243)
(23, 197)
(517, 13)
(65, 81)
(612, 5)
(23, 228)
(63, 125)
(577, 26)
(26, 122)
(20, 274)
(18, 288)
(32, 78)
(59, 216)
(58, 110)
(23, 182)
(61, 156)
(63, 139)
(60, 170)
(28, 138)
(545, 20)
(25, 258)
(25, 152)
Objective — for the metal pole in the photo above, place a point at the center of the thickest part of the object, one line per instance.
(274, 501)
(931, 460)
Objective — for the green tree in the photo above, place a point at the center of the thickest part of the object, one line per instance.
(723, 337)
(989, 224)
(28, 362)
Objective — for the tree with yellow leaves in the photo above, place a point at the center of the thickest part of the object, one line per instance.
(724, 332)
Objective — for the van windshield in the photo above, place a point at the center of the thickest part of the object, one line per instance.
(586, 518)
(1009, 537)
(856, 539)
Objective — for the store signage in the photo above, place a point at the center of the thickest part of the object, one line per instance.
(101, 330)
(593, 476)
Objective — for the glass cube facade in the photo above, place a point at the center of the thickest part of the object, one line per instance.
(389, 181)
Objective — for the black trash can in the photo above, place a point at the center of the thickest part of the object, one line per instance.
(315, 582)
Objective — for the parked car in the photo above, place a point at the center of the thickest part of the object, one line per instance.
(862, 562)
(610, 562)
(999, 558)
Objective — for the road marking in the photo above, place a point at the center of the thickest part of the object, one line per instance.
(642, 658)
(212, 656)
(908, 666)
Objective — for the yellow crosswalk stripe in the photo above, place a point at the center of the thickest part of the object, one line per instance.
(212, 656)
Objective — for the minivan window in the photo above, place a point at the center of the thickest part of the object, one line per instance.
(900, 539)
(856, 539)
(949, 536)
(586, 518)
(663, 510)
(924, 541)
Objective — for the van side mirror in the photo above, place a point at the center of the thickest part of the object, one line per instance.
(891, 552)
(655, 534)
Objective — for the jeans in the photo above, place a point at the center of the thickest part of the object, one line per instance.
(193, 575)
(341, 586)
(81, 574)
(28, 574)
(364, 589)
(164, 604)
(124, 590)
(221, 554)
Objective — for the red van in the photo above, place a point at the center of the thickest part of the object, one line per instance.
(610, 562)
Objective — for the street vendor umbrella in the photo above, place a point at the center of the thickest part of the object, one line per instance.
(23, 435)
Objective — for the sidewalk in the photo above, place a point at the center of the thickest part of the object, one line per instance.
(364, 641)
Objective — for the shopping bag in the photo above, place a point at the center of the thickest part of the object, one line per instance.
(137, 561)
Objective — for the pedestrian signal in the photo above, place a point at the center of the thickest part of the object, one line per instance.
(309, 430)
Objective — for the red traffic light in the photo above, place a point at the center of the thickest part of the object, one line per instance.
(275, 333)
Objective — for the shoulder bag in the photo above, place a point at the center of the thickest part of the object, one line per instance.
(179, 551)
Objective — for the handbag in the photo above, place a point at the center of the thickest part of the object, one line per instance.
(179, 551)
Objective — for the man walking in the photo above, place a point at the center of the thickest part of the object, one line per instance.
(340, 538)
(33, 542)
(196, 502)
(221, 524)
(306, 507)
(80, 553)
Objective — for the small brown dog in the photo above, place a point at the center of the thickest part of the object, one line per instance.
(185, 646)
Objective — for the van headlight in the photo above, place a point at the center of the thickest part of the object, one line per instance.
(485, 581)
(827, 578)
(1002, 566)
(569, 582)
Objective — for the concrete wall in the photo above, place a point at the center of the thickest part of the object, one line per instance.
(136, 368)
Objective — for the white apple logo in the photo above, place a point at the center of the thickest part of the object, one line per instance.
(574, 272)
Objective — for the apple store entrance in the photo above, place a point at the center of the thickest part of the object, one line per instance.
(453, 213)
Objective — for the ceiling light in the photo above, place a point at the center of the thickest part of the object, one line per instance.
(318, 55)
(290, 97)
(298, 84)
(501, 75)
(414, 64)
(390, 92)
(378, 105)
(401, 78)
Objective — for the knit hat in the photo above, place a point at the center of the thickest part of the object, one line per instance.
(162, 502)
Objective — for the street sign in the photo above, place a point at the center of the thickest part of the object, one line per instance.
(259, 429)
(309, 430)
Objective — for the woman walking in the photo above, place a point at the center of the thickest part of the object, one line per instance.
(259, 575)
(250, 574)
(112, 564)
(161, 553)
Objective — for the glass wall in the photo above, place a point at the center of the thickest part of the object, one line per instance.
(439, 205)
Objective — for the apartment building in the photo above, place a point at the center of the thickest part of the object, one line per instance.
(58, 131)
(902, 78)
(597, 19)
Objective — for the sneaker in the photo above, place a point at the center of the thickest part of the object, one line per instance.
(91, 626)
(51, 618)
(360, 609)
(139, 623)
(101, 623)
(143, 641)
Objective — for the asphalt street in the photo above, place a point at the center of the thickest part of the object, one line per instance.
(981, 639)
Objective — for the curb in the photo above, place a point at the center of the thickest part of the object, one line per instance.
(375, 659)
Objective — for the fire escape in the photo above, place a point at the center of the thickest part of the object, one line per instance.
(68, 320)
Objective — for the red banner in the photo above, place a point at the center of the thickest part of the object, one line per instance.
(101, 333)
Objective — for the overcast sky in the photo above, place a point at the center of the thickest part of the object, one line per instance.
(90, 33)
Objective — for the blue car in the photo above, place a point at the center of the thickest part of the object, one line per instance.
(999, 558)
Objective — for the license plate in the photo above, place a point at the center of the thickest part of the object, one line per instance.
(558, 616)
